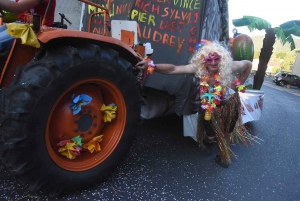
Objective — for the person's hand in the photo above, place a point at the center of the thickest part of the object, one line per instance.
(142, 65)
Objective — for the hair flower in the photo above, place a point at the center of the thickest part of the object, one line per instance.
(201, 43)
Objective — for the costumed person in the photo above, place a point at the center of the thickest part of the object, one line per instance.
(219, 117)
(22, 8)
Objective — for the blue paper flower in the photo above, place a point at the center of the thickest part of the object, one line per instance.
(80, 100)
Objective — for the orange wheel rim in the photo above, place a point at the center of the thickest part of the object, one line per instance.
(63, 125)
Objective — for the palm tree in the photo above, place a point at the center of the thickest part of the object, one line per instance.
(284, 33)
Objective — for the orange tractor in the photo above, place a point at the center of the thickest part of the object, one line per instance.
(68, 108)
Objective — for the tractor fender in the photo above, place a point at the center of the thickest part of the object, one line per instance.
(70, 36)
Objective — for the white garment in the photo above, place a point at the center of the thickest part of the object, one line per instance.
(190, 126)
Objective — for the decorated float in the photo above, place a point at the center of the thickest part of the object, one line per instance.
(170, 32)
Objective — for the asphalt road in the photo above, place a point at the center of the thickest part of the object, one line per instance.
(164, 165)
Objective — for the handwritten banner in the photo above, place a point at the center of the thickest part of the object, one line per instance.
(171, 26)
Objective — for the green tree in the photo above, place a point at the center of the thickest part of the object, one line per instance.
(284, 33)
(288, 62)
(285, 62)
(281, 55)
(275, 69)
(256, 54)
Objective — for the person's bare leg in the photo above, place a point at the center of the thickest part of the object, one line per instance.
(210, 139)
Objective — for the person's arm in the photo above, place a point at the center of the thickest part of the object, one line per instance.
(167, 68)
(18, 7)
(243, 67)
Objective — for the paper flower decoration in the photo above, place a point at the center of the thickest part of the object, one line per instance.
(210, 98)
(201, 44)
(151, 67)
(69, 149)
(239, 86)
(77, 140)
(109, 112)
(93, 145)
(24, 32)
(79, 101)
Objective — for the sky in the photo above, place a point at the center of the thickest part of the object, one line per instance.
(275, 12)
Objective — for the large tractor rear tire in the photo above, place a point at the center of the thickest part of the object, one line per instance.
(37, 116)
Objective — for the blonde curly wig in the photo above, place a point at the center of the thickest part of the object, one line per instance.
(224, 65)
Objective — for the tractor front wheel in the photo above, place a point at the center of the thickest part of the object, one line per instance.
(42, 116)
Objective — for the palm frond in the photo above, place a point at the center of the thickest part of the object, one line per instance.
(290, 40)
(289, 24)
(252, 23)
(280, 35)
(242, 22)
(291, 28)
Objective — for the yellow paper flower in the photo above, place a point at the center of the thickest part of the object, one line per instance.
(93, 145)
(218, 88)
(24, 32)
(70, 150)
(109, 112)
(241, 88)
(204, 84)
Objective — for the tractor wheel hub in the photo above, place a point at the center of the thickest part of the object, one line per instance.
(85, 122)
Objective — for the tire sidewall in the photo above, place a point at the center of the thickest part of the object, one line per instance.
(87, 70)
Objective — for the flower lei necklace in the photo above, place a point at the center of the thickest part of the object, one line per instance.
(212, 96)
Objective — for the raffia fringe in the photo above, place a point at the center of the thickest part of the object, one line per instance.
(223, 119)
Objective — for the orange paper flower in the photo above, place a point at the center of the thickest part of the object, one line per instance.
(216, 77)
(210, 108)
(205, 79)
(218, 93)
(93, 145)
(150, 70)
